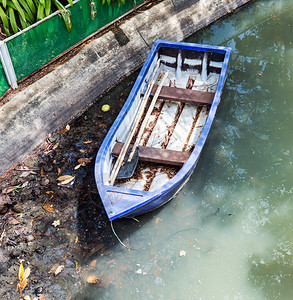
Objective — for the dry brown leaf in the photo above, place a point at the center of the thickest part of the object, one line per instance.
(9, 189)
(65, 179)
(19, 230)
(87, 142)
(21, 285)
(5, 199)
(84, 161)
(157, 220)
(25, 184)
(42, 297)
(49, 192)
(55, 146)
(65, 129)
(77, 167)
(76, 240)
(25, 174)
(110, 261)
(13, 221)
(92, 264)
(92, 279)
(56, 269)
(49, 208)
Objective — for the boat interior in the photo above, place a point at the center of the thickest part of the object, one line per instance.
(176, 121)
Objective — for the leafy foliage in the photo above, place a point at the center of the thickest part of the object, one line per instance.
(19, 14)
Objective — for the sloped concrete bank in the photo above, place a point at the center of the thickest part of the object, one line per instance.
(49, 103)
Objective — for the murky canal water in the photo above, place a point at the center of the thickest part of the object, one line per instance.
(228, 234)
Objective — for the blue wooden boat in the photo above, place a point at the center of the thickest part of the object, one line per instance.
(168, 115)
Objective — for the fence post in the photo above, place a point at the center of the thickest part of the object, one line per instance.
(7, 65)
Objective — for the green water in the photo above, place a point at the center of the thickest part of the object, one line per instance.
(228, 234)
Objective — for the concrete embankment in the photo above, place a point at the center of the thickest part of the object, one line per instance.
(50, 102)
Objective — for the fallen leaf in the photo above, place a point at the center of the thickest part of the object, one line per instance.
(58, 170)
(77, 167)
(49, 192)
(56, 269)
(5, 199)
(21, 285)
(27, 273)
(92, 264)
(55, 146)
(103, 125)
(76, 240)
(25, 184)
(110, 261)
(259, 74)
(65, 179)
(19, 230)
(84, 161)
(42, 297)
(157, 220)
(92, 279)
(9, 189)
(49, 208)
(64, 130)
(182, 253)
(87, 142)
(20, 272)
(27, 297)
(13, 222)
(25, 174)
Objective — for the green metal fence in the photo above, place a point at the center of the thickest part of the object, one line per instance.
(3, 82)
(33, 48)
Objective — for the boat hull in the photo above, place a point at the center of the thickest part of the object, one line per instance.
(121, 201)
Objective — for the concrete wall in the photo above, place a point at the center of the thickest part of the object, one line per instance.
(49, 103)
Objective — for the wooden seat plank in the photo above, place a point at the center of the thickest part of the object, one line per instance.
(157, 155)
(184, 95)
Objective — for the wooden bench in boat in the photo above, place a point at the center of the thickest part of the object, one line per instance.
(184, 95)
(157, 155)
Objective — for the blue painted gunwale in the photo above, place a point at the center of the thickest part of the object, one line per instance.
(151, 200)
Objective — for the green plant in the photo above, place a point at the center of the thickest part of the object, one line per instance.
(19, 14)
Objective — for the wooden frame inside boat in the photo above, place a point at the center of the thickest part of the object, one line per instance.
(175, 131)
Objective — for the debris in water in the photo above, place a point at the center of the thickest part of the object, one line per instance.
(105, 107)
